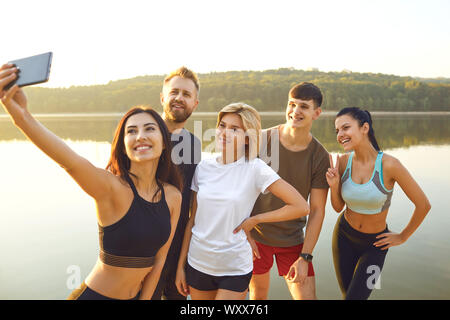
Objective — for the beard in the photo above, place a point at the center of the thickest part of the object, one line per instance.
(176, 115)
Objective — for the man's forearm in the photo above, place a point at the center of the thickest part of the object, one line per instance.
(313, 228)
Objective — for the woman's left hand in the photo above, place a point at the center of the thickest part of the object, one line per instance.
(247, 225)
(388, 240)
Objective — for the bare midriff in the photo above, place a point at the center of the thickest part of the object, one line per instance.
(366, 223)
(116, 282)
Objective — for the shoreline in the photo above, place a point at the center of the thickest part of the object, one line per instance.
(214, 114)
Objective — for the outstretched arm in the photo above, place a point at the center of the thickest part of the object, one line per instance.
(94, 181)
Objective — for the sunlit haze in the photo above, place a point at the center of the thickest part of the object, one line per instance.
(97, 41)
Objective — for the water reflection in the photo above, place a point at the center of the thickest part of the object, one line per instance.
(392, 131)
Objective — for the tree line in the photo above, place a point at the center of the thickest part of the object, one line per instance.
(265, 90)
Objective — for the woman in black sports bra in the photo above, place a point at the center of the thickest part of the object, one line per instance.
(137, 196)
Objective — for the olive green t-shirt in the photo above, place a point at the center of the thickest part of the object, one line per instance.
(304, 170)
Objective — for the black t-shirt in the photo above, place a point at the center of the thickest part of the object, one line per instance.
(186, 154)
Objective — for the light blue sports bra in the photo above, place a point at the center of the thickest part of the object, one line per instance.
(368, 198)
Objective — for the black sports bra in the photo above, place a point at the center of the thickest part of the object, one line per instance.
(133, 241)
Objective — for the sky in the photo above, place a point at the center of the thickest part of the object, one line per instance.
(96, 41)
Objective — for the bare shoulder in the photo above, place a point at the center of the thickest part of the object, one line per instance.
(343, 159)
(390, 162)
(393, 168)
(173, 195)
(118, 185)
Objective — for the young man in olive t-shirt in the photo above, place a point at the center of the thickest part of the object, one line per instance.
(302, 161)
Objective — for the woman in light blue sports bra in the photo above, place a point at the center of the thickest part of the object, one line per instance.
(358, 182)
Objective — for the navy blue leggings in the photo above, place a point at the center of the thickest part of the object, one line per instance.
(358, 263)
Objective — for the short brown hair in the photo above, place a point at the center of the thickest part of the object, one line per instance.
(307, 91)
(185, 73)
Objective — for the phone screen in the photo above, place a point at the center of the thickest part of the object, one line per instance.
(33, 70)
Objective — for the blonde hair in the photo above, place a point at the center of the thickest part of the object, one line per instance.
(252, 125)
(185, 73)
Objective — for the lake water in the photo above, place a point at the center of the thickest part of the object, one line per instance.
(48, 225)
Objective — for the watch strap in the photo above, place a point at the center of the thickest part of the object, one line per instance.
(306, 256)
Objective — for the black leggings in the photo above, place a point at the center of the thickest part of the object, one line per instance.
(358, 263)
(83, 292)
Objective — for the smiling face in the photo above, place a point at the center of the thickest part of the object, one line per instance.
(230, 135)
(349, 133)
(179, 99)
(301, 113)
(142, 138)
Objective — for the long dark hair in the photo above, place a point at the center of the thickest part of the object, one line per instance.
(362, 116)
(119, 163)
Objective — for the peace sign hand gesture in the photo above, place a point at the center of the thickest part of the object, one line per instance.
(333, 176)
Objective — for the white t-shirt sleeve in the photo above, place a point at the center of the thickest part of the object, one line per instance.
(265, 176)
(194, 184)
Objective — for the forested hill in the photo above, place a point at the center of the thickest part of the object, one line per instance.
(265, 90)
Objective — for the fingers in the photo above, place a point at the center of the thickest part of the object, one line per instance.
(182, 286)
(6, 66)
(385, 242)
(6, 97)
(331, 160)
(330, 173)
(246, 225)
(337, 163)
(11, 92)
(6, 76)
(185, 288)
(332, 176)
(253, 245)
(293, 274)
(7, 72)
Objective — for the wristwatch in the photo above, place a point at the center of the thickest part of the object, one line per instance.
(306, 256)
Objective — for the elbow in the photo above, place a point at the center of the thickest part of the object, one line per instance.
(304, 210)
(426, 207)
(338, 209)
(337, 205)
(422, 206)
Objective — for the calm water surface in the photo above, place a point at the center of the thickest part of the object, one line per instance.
(48, 224)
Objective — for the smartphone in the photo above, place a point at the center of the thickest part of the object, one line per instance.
(32, 70)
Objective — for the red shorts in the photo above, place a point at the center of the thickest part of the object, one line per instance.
(285, 257)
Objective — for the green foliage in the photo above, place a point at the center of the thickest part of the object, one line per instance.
(265, 90)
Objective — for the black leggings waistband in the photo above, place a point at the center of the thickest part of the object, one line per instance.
(352, 232)
(83, 292)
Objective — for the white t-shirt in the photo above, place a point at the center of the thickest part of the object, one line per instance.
(225, 197)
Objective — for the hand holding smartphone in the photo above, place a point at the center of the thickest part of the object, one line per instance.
(32, 70)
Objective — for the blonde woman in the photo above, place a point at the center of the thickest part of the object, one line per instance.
(216, 259)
